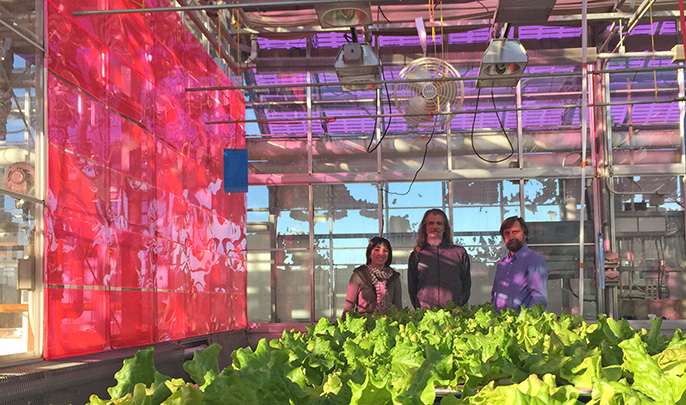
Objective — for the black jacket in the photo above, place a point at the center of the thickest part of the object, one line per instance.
(438, 274)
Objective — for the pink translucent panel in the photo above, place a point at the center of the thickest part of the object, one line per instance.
(76, 185)
(199, 314)
(128, 37)
(219, 275)
(135, 200)
(221, 313)
(76, 252)
(169, 167)
(172, 316)
(77, 122)
(170, 216)
(76, 322)
(127, 89)
(199, 267)
(132, 150)
(239, 308)
(131, 258)
(131, 204)
(172, 266)
(199, 220)
(132, 318)
(76, 56)
(169, 121)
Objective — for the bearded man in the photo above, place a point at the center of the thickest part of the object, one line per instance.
(521, 277)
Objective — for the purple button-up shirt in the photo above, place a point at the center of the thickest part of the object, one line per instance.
(521, 279)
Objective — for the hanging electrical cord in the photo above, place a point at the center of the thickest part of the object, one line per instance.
(376, 121)
(502, 128)
(426, 149)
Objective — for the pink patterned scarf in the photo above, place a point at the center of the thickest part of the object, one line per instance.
(379, 279)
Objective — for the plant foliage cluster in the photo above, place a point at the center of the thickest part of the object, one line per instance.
(470, 355)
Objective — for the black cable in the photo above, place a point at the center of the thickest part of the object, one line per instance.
(502, 127)
(426, 149)
(482, 5)
(388, 125)
(379, 10)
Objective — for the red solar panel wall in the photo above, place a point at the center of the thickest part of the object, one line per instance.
(142, 245)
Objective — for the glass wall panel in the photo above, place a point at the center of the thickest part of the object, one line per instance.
(19, 325)
(21, 132)
(552, 218)
(649, 236)
(644, 116)
(259, 235)
(478, 210)
(346, 217)
(409, 151)
(290, 254)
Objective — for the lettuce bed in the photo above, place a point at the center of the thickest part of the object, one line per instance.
(403, 357)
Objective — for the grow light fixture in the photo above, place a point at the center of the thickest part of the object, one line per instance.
(357, 67)
(503, 59)
(343, 14)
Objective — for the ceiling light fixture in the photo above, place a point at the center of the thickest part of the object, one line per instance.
(503, 59)
(357, 66)
(343, 14)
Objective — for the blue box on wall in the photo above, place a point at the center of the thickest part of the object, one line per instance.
(235, 170)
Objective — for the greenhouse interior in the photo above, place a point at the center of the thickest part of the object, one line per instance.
(286, 136)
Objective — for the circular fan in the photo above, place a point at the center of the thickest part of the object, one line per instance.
(427, 99)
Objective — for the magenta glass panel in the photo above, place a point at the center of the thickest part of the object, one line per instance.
(169, 166)
(77, 122)
(163, 208)
(130, 204)
(77, 185)
(135, 198)
(240, 311)
(199, 314)
(132, 318)
(76, 321)
(199, 235)
(74, 55)
(126, 90)
(76, 252)
(171, 266)
(133, 152)
(172, 319)
(199, 268)
(221, 313)
(127, 37)
(219, 229)
(130, 255)
(219, 274)
(169, 121)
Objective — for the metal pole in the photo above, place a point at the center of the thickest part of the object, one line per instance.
(310, 190)
(520, 148)
(584, 112)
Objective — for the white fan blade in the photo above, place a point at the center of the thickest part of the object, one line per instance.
(418, 73)
(419, 109)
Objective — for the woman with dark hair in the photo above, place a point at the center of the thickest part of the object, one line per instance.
(438, 270)
(374, 286)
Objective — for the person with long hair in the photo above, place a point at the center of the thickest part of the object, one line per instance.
(374, 286)
(521, 277)
(438, 270)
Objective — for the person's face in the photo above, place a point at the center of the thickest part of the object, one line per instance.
(514, 237)
(379, 255)
(435, 226)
